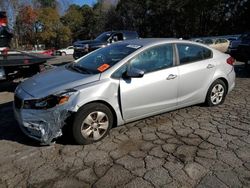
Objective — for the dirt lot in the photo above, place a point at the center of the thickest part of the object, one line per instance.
(192, 147)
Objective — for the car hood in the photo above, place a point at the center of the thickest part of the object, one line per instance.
(56, 80)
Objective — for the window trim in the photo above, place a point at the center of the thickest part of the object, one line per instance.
(175, 59)
(178, 57)
(174, 62)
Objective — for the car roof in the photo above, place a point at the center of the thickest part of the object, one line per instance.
(150, 41)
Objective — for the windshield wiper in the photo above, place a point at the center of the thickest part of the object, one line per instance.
(80, 69)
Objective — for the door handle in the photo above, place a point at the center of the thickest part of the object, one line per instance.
(209, 66)
(171, 76)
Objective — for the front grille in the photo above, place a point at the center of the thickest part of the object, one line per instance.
(18, 102)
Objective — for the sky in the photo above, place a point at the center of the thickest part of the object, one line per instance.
(81, 2)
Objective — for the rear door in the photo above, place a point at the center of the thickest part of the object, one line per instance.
(196, 69)
(156, 91)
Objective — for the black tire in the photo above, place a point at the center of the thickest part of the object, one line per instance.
(216, 98)
(85, 123)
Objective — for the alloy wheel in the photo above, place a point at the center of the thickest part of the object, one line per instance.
(95, 125)
(217, 94)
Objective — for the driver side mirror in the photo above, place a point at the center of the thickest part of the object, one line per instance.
(134, 73)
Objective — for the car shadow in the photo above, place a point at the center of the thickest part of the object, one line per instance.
(10, 130)
(8, 86)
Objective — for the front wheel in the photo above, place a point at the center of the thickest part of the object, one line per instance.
(216, 93)
(92, 123)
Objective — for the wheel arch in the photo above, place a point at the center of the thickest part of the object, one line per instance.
(106, 104)
(217, 78)
(225, 81)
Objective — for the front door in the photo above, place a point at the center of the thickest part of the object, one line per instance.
(156, 91)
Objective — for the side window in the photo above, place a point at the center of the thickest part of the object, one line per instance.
(222, 41)
(190, 53)
(118, 73)
(153, 59)
(117, 37)
(208, 42)
(218, 41)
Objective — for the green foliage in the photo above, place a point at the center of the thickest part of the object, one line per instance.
(73, 19)
(179, 18)
(150, 18)
(54, 33)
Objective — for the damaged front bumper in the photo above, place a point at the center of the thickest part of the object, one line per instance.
(42, 125)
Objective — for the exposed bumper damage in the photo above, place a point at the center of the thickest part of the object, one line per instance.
(42, 125)
(45, 124)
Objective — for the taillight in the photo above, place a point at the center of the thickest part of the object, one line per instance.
(230, 60)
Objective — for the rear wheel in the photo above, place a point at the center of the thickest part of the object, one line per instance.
(92, 123)
(217, 93)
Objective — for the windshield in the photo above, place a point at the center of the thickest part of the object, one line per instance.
(104, 58)
(104, 36)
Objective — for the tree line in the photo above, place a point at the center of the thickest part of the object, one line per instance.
(43, 21)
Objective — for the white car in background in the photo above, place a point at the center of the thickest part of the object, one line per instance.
(220, 44)
(66, 51)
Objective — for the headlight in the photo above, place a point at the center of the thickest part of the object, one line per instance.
(48, 102)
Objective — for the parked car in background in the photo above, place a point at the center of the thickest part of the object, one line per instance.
(49, 52)
(208, 41)
(120, 83)
(220, 44)
(240, 48)
(81, 48)
(197, 40)
(232, 38)
(65, 51)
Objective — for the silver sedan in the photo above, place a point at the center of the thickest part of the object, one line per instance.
(121, 83)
